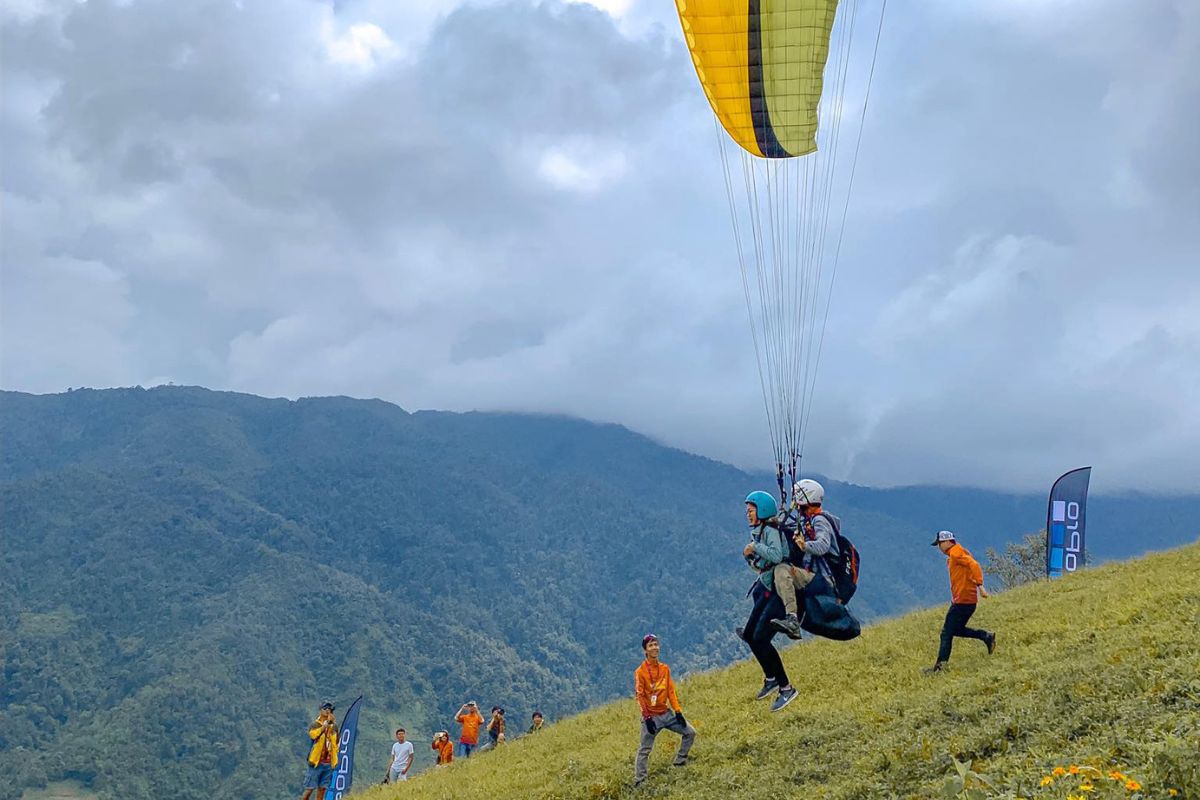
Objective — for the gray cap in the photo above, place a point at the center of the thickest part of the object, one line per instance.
(943, 536)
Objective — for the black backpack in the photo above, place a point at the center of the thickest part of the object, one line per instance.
(843, 566)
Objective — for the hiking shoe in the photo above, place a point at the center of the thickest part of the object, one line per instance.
(938, 667)
(769, 685)
(990, 641)
(680, 762)
(785, 696)
(789, 625)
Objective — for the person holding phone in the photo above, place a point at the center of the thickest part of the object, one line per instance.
(469, 717)
(322, 754)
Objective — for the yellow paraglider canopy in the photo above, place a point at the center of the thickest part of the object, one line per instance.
(770, 68)
(761, 63)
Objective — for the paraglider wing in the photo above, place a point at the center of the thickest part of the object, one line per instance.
(761, 64)
(770, 70)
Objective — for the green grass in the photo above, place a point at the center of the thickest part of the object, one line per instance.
(1100, 669)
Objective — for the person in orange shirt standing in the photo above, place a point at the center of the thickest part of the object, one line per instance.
(443, 747)
(660, 707)
(469, 717)
(966, 587)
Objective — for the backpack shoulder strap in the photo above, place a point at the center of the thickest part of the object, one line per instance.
(832, 520)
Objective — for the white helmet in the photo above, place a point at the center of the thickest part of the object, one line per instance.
(808, 493)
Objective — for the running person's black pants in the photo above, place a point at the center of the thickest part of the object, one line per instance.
(759, 632)
(956, 625)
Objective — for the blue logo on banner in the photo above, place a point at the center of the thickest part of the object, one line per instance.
(343, 774)
(1065, 522)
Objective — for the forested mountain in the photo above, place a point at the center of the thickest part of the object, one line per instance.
(185, 574)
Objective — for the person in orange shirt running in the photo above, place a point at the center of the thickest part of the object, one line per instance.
(660, 709)
(966, 587)
(469, 717)
(444, 747)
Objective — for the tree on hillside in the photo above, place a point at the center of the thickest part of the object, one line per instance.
(1021, 562)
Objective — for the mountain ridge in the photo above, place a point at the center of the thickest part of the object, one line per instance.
(170, 545)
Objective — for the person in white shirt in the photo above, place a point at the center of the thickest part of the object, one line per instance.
(402, 758)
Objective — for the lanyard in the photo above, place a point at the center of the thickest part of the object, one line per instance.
(654, 679)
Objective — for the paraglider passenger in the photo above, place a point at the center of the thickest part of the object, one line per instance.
(402, 758)
(538, 722)
(806, 569)
(763, 553)
(322, 754)
(966, 587)
(469, 717)
(655, 691)
(443, 747)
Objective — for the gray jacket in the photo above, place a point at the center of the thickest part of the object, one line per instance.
(823, 543)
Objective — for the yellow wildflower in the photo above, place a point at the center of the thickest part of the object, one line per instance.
(1132, 785)
(1073, 769)
(1117, 776)
(1046, 781)
(1173, 792)
(1058, 772)
(1086, 786)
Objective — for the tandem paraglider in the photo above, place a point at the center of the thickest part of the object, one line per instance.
(771, 73)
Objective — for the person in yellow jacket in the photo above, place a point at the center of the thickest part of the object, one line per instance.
(660, 709)
(323, 754)
(966, 587)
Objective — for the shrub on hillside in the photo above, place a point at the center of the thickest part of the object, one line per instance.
(1021, 562)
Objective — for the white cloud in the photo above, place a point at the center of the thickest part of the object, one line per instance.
(581, 169)
(617, 8)
(511, 204)
(362, 44)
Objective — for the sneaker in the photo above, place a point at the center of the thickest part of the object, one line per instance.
(938, 667)
(680, 762)
(769, 686)
(789, 625)
(638, 782)
(990, 641)
(785, 696)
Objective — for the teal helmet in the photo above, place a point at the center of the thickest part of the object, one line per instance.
(765, 503)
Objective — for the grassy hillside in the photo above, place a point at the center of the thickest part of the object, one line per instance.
(196, 570)
(1100, 671)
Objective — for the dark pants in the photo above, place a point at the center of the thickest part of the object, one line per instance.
(956, 625)
(759, 632)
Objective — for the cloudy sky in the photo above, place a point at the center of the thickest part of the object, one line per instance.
(518, 205)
